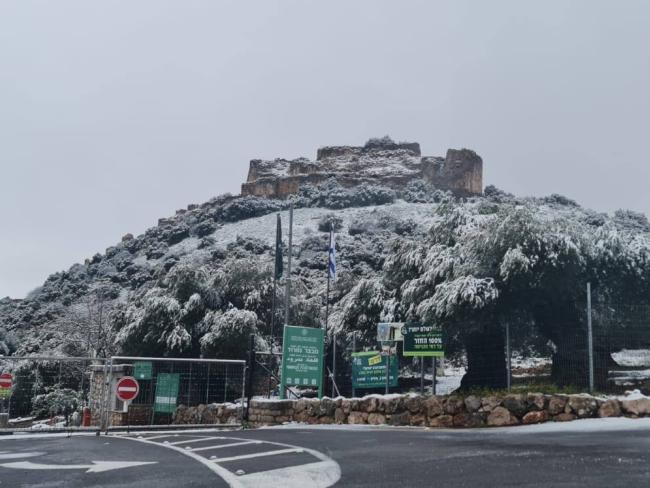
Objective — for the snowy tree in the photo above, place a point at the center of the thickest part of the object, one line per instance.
(228, 333)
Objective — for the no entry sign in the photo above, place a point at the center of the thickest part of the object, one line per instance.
(127, 388)
(6, 380)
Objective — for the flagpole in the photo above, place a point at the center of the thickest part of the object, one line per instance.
(277, 271)
(327, 300)
(288, 293)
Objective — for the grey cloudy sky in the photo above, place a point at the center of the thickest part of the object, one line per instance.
(115, 113)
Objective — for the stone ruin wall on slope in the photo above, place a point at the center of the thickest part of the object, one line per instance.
(389, 164)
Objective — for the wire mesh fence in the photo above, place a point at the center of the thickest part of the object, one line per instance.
(45, 392)
(49, 393)
(177, 391)
(591, 343)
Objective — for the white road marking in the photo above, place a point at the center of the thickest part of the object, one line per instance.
(18, 455)
(200, 439)
(321, 474)
(160, 436)
(232, 444)
(95, 467)
(259, 454)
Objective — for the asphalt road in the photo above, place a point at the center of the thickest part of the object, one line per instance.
(360, 457)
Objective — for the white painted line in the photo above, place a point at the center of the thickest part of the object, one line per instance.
(18, 455)
(160, 436)
(310, 476)
(317, 475)
(232, 444)
(200, 439)
(223, 473)
(95, 467)
(259, 454)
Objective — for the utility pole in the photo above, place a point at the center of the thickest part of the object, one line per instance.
(590, 340)
(287, 298)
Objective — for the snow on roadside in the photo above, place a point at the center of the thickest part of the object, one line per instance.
(610, 424)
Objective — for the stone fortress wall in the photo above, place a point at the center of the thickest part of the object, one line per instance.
(379, 161)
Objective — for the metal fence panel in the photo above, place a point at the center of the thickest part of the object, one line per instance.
(177, 391)
(51, 393)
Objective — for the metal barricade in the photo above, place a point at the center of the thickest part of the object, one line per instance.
(176, 391)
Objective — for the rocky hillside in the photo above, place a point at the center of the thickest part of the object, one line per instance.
(202, 280)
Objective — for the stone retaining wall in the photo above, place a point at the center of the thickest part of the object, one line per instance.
(430, 411)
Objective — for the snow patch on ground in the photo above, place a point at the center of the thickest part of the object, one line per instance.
(632, 357)
(584, 425)
(305, 221)
(633, 395)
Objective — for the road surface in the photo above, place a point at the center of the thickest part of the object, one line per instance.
(602, 455)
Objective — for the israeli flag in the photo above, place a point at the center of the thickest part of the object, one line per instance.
(332, 257)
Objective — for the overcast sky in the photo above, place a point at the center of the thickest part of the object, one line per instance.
(116, 113)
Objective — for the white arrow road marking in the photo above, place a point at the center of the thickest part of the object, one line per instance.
(95, 467)
(18, 455)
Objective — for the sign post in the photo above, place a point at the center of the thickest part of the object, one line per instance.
(423, 341)
(143, 370)
(167, 385)
(387, 334)
(127, 389)
(302, 358)
(369, 369)
(6, 381)
(6, 389)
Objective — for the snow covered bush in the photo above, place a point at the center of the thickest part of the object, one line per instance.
(57, 401)
(330, 221)
(228, 332)
(247, 207)
(631, 220)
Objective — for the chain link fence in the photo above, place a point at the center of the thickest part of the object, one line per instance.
(593, 343)
(64, 393)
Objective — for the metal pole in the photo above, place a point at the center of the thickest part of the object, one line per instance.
(387, 370)
(251, 361)
(422, 376)
(275, 288)
(508, 358)
(287, 298)
(108, 379)
(207, 387)
(354, 349)
(334, 366)
(590, 340)
(433, 374)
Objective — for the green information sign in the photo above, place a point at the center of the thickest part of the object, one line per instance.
(422, 340)
(369, 370)
(302, 358)
(143, 370)
(166, 392)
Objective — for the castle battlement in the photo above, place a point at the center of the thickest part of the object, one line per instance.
(379, 161)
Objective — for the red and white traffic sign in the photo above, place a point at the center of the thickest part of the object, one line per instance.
(6, 380)
(127, 388)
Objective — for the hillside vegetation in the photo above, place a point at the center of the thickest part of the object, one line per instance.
(201, 281)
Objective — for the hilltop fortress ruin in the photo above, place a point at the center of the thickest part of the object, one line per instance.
(379, 161)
